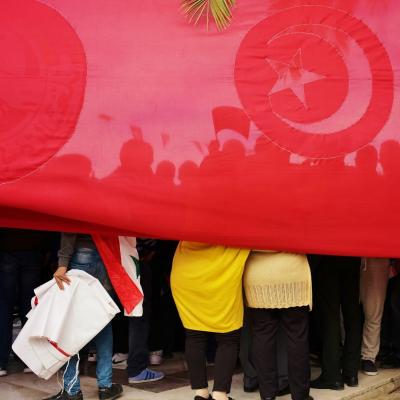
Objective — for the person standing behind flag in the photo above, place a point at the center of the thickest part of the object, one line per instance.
(79, 252)
(206, 283)
(373, 285)
(279, 294)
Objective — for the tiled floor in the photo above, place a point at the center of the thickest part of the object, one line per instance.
(19, 386)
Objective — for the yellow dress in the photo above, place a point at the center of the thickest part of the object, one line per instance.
(206, 283)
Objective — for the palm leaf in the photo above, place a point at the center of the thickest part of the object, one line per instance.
(220, 10)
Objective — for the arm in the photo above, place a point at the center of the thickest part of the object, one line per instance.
(65, 253)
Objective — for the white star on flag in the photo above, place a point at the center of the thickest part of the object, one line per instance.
(293, 76)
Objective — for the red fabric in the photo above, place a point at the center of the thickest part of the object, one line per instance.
(127, 292)
(55, 345)
(280, 132)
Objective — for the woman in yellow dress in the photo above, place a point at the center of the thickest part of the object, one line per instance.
(206, 282)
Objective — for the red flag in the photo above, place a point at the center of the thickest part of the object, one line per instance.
(317, 165)
(126, 289)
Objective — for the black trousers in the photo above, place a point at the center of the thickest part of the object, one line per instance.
(390, 333)
(264, 325)
(338, 289)
(225, 359)
(138, 355)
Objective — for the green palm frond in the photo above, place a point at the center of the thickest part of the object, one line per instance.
(220, 10)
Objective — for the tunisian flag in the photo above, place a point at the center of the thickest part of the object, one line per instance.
(280, 132)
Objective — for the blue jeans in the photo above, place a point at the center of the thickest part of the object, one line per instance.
(19, 275)
(89, 260)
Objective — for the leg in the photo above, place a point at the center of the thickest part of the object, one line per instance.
(386, 327)
(264, 326)
(8, 293)
(195, 352)
(225, 360)
(328, 299)
(374, 279)
(120, 327)
(104, 347)
(138, 356)
(395, 314)
(350, 278)
(72, 384)
(282, 360)
(249, 372)
(295, 324)
(29, 279)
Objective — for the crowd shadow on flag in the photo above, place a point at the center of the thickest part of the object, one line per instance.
(231, 187)
(262, 191)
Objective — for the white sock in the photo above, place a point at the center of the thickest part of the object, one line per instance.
(220, 396)
(203, 393)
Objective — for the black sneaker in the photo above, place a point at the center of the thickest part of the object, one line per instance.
(111, 393)
(63, 395)
(368, 367)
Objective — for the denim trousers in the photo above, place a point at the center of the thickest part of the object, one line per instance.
(19, 275)
(89, 260)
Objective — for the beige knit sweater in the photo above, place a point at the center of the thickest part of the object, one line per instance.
(277, 280)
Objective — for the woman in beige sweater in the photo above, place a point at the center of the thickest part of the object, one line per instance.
(278, 292)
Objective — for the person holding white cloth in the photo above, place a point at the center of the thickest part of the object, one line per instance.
(79, 252)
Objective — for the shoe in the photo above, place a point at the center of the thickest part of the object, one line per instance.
(351, 381)
(92, 357)
(250, 384)
(119, 358)
(321, 384)
(147, 375)
(155, 357)
(368, 367)
(283, 392)
(3, 372)
(63, 395)
(202, 398)
(27, 370)
(390, 362)
(111, 393)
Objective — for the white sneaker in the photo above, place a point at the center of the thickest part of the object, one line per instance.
(119, 358)
(27, 370)
(155, 357)
(3, 372)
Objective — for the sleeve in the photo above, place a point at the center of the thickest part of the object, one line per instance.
(67, 248)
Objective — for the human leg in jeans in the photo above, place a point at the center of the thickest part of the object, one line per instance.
(89, 260)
